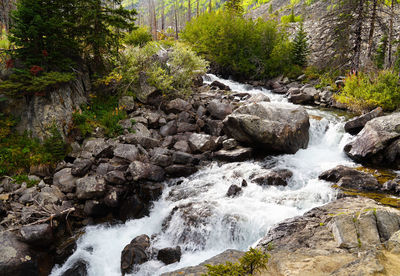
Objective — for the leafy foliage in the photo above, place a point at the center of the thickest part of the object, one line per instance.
(23, 82)
(252, 262)
(240, 47)
(20, 151)
(102, 112)
(171, 78)
(363, 92)
(234, 6)
(300, 48)
(139, 37)
(291, 18)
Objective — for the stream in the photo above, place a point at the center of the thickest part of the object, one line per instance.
(206, 222)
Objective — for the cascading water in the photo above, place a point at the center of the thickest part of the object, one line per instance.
(197, 215)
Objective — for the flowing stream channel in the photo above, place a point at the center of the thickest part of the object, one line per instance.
(206, 222)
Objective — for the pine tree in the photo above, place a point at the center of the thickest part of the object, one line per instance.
(300, 49)
(234, 7)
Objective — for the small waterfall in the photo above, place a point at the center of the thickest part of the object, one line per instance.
(198, 216)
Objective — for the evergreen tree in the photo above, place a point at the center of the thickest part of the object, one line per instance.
(234, 7)
(300, 48)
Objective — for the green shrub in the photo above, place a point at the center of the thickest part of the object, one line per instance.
(19, 179)
(104, 112)
(291, 18)
(18, 152)
(172, 78)
(4, 42)
(252, 262)
(242, 47)
(139, 37)
(23, 82)
(364, 92)
(54, 144)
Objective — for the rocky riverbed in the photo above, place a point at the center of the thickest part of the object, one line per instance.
(164, 179)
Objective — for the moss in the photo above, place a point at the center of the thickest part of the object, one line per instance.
(382, 175)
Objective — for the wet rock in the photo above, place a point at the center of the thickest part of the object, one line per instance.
(180, 170)
(15, 256)
(151, 191)
(171, 128)
(126, 152)
(113, 197)
(182, 158)
(274, 178)
(300, 98)
(79, 268)
(146, 171)
(392, 186)
(182, 146)
(259, 97)
(178, 105)
(90, 187)
(235, 155)
(244, 183)
(355, 125)
(135, 254)
(169, 255)
(229, 144)
(127, 103)
(37, 235)
(351, 178)
(220, 85)
(98, 147)
(270, 127)
(233, 191)
(378, 143)
(132, 208)
(201, 142)
(95, 208)
(219, 110)
(115, 178)
(81, 167)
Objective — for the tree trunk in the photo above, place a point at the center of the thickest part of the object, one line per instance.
(372, 28)
(197, 9)
(390, 35)
(154, 21)
(189, 14)
(210, 6)
(358, 35)
(176, 19)
(162, 16)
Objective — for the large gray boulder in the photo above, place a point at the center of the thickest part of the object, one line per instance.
(356, 124)
(378, 143)
(64, 180)
(134, 254)
(273, 127)
(146, 171)
(90, 187)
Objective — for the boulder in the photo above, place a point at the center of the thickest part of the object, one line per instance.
(233, 191)
(114, 196)
(81, 167)
(50, 195)
(219, 110)
(141, 130)
(279, 128)
(235, 155)
(146, 171)
(220, 85)
(115, 177)
(144, 141)
(95, 208)
(392, 186)
(145, 92)
(356, 124)
(179, 157)
(162, 160)
(78, 268)
(229, 144)
(201, 142)
(177, 105)
(37, 235)
(169, 255)
(126, 152)
(171, 128)
(378, 143)
(132, 207)
(274, 178)
(182, 146)
(127, 103)
(90, 187)
(180, 170)
(350, 178)
(15, 256)
(343, 237)
(98, 147)
(135, 254)
(258, 97)
(64, 180)
(150, 191)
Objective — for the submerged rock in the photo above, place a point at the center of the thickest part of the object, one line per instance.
(135, 254)
(272, 127)
(233, 191)
(378, 143)
(274, 178)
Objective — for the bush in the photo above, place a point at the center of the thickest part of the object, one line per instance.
(102, 112)
(242, 47)
(252, 262)
(172, 78)
(363, 92)
(19, 152)
(139, 37)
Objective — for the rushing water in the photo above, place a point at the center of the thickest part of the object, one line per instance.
(207, 222)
